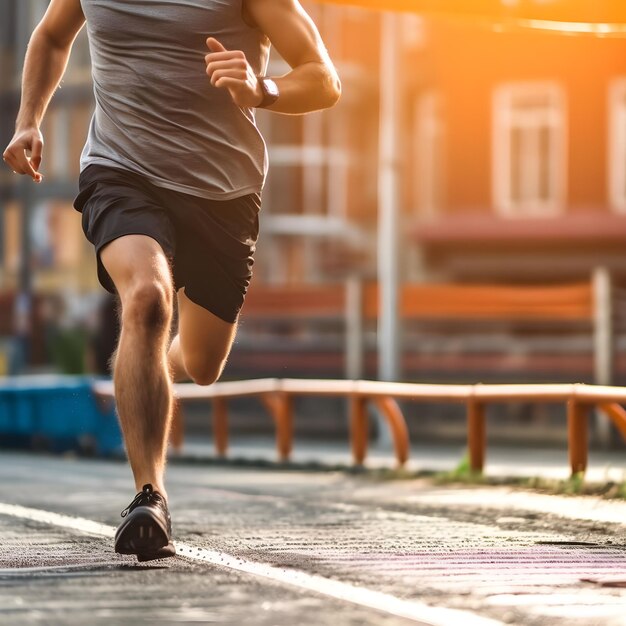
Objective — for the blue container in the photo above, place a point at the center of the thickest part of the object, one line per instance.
(57, 413)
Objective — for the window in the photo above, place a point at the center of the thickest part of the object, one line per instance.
(617, 145)
(529, 149)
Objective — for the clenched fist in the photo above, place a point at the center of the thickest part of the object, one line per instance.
(24, 142)
(230, 70)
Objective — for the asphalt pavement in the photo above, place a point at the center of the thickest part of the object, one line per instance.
(274, 546)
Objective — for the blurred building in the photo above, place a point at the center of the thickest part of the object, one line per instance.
(520, 154)
(45, 263)
(58, 255)
(320, 193)
(319, 204)
(513, 170)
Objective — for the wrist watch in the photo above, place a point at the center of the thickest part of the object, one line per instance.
(269, 90)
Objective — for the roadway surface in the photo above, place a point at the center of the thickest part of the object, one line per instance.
(273, 547)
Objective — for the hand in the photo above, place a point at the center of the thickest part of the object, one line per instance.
(25, 141)
(229, 69)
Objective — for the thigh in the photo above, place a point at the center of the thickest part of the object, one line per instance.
(133, 260)
(205, 339)
(116, 204)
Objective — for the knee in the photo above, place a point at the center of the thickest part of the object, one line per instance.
(203, 371)
(147, 305)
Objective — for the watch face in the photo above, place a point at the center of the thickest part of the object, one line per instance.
(271, 87)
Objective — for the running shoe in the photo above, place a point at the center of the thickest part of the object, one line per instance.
(147, 527)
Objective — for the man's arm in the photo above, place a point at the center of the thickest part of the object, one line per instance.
(311, 85)
(46, 59)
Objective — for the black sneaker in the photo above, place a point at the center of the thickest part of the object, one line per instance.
(147, 529)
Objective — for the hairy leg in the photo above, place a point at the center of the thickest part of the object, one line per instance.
(200, 350)
(175, 358)
(141, 274)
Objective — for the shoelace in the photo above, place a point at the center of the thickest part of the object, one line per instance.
(145, 496)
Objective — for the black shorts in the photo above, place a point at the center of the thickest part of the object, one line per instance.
(209, 243)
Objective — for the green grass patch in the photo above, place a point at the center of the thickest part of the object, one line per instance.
(462, 474)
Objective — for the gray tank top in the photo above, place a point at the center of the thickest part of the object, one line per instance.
(156, 112)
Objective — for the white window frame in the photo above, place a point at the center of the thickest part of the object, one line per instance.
(505, 119)
(617, 145)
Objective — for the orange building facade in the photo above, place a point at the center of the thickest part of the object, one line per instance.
(527, 136)
(512, 160)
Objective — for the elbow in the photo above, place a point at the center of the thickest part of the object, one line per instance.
(53, 39)
(332, 91)
(335, 92)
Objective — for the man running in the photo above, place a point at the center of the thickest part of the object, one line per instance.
(169, 188)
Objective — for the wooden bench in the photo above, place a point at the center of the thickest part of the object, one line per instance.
(299, 313)
(277, 395)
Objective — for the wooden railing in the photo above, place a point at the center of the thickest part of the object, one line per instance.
(589, 303)
(277, 396)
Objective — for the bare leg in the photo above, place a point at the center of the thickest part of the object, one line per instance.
(141, 274)
(175, 358)
(207, 340)
(201, 348)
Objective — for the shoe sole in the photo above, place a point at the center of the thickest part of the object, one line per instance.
(142, 534)
(163, 553)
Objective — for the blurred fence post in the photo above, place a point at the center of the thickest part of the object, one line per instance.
(354, 330)
(389, 161)
(603, 352)
(388, 201)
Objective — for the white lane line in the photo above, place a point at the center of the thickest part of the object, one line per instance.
(409, 609)
(57, 519)
(76, 567)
